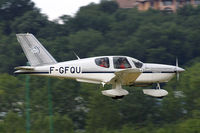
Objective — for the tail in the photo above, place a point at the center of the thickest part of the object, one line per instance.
(36, 54)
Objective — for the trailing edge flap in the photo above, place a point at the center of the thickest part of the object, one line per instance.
(127, 76)
(24, 68)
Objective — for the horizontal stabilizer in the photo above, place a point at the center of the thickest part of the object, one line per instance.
(24, 68)
(155, 92)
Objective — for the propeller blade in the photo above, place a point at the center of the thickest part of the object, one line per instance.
(176, 62)
(177, 73)
(177, 76)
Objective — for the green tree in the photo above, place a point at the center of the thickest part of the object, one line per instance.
(90, 17)
(183, 97)
(12, 92)
(61, 123)
(30, 22)
(9, 9)
(188, 126)
(190, 86)
(103, 114)
(13, 123)
(90, 37)
(108, 6)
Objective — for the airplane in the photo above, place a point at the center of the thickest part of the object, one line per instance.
(114, 70)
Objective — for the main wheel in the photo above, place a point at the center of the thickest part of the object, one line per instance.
(118, 97)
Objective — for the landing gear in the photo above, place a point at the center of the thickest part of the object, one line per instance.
(158, 86)
(117, 97)
(117, 92)
(157, 92)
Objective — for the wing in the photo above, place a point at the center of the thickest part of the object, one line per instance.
(127, 76)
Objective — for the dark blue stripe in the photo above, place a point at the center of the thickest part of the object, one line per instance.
(32, 73)
(169, 72)
(147, 72)
(92, 72)
(98, 72)
(116, 71)
(160, 72)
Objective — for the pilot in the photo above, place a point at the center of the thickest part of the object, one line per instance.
(122, 65)
(103, 63)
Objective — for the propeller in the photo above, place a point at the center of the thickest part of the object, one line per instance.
(177, 73)
(178, 69)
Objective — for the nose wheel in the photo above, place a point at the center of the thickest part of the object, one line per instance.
(157, 92)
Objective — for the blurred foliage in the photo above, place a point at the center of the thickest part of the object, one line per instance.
(101, 29)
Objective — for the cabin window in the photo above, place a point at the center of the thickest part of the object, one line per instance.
(121, 63)
(102, 62)
(138, 64)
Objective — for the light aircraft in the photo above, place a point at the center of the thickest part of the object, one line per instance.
(114, 70)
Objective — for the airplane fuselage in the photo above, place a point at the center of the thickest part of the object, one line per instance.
(114, 70)
(86, 70)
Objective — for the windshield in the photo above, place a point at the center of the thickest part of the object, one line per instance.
(138, 64)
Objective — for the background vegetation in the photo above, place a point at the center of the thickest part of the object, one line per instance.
(101, 29)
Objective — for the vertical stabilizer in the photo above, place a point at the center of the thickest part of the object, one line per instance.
(36, 54)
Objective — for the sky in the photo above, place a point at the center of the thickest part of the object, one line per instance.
(57, 8)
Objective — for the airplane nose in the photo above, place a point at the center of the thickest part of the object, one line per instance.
(179, 69)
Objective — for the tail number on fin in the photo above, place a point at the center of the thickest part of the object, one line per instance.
(64, 70)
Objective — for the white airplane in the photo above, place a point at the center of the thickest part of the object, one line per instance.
(114, 70)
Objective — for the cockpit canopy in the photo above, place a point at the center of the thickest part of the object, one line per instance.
(102, 62)
(119, 62)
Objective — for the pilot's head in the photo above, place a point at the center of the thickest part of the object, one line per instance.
(102, 60)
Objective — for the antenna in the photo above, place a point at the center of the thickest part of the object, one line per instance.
(76, 55)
